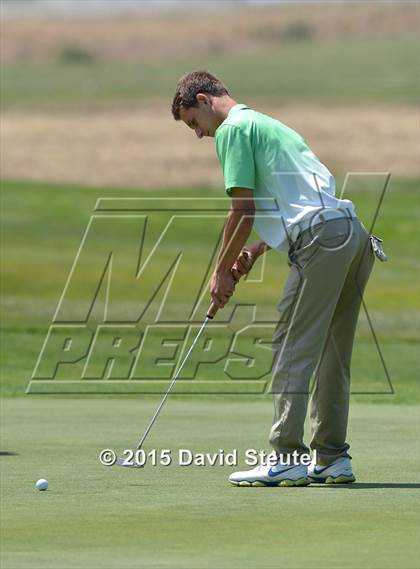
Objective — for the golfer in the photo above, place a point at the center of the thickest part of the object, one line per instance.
(277, 182)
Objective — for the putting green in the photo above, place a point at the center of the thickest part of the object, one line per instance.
(98, 517)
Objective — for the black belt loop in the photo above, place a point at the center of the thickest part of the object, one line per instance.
(350, 216)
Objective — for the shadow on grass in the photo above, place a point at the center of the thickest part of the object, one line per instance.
(369, 485)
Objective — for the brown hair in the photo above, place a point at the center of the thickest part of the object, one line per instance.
(190, 85)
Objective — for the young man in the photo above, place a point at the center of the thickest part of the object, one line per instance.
(276, 181)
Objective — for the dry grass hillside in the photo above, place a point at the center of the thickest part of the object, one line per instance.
(169, 35)
(140, 145)
(145, 147)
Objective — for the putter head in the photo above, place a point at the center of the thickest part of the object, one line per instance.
(123, 462)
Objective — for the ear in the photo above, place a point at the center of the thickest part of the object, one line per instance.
(203, 98)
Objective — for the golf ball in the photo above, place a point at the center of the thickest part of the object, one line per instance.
(41, 484)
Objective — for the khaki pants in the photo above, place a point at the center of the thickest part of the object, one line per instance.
(330, 265)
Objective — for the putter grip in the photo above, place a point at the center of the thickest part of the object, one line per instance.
(211, 312)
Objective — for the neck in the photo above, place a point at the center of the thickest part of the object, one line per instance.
(222, 106)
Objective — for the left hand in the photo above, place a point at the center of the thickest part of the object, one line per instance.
(243, 263)
(222, 287)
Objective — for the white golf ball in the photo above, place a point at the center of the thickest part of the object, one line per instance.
(41, 484)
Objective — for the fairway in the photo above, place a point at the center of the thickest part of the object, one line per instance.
(189, 516)
(35, 268)
(329, 72)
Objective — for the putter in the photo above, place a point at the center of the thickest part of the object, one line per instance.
(209, 316)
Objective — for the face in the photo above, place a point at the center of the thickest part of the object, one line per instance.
(201, 119)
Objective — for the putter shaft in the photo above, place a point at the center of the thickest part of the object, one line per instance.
(210, 315)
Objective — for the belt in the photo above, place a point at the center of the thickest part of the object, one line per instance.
(326, 215)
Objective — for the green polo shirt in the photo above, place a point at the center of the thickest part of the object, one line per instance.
(264, 155)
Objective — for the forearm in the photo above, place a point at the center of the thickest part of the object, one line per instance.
(237, 229)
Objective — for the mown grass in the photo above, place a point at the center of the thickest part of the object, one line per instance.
(365, 70)
(189, 516)
(43, 226)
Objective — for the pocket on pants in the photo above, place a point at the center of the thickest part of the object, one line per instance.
(301, 254)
